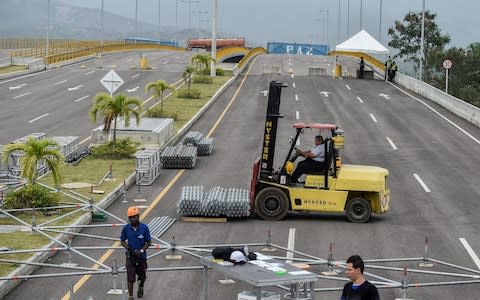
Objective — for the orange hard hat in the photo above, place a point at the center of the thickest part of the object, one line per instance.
(133, 211)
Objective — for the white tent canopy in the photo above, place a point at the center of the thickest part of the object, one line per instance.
(362, 42)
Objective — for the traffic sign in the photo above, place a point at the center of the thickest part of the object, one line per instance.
(111, 81)
(447, 64)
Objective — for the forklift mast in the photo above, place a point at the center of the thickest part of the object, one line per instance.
(270, 130)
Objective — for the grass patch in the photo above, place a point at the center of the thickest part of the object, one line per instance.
(185, 109)
(19, 240)
(11, 69)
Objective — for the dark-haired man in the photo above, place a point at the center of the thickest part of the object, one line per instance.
(359, 288)
(313, 162)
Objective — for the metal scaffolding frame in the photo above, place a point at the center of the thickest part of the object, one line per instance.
(380, 269)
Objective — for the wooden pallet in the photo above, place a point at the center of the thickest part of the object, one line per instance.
(204, 219)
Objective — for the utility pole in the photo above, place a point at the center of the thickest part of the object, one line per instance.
(338, 25)
(176, 23)
(159, 26)
(361, 14)
(380, 22)
(348, 19)
(422, 37)
(136, 20)
(213, 67)
(103, 30)
(48, 28)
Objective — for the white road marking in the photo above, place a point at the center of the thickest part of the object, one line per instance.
(293, 76)
(373, 118)
(384, 96)
(290, 245)
(325, 93)
(176, 57)
(60, 82)
(391, 143)
(293, 85)
(439, 114)
(91, 72)
(360, 99)
(348, 87)
(83, 98)
(135, 76)
(424, 186)
(130, 59)
(297, 114)
(296, 97)
(22, 95)
(75, 88)
(470, 251)
(133, 90)
(38, 118)
(17, 87)
(165, 62)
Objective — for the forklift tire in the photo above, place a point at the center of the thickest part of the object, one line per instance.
(271, 204)
(358, 210)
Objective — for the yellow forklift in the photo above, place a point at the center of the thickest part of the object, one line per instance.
(357, 191)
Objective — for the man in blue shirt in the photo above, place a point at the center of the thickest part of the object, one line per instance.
(359, 288)
(136, 239)
(313, 162)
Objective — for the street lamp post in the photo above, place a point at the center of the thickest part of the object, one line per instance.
(348, 18)
(159, 26)
(103, 30)
(48, 28)
(361, 14)
(213, 69)
(338, 25)
(422, 37)
(136, 20)
(176, 23)
(380, 22)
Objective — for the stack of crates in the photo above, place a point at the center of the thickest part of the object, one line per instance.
(14, 163)
(148, 166)
(67, 144)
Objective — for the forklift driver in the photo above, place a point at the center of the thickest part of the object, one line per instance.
(313, 162)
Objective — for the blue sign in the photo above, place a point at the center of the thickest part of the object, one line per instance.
(294, 48)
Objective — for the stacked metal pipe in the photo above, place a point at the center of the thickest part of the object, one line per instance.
(190, 203)
(179, 157)
(192, 137)
(219, 201)
(205, 146)
(159, 225)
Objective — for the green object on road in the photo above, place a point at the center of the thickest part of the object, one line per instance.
(99, 217)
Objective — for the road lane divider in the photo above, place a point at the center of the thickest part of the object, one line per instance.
(17, 86)
(348, 87)
(359, 99)
(83, 98)
(293, 75)
(391, 143)
(60, 82)
(135, 76)
(296, 97)
(38, 118)
(297, 115)
(91, 72)
(22, 95)
(470, 252)
(373, 118)
(75, 88)
(420, 181)
(293, 85)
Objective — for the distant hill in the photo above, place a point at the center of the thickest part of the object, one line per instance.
(28, 18)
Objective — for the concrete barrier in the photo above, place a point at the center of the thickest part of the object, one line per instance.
(318, 71)
(36, 65)
(459, 107)
(5, 62)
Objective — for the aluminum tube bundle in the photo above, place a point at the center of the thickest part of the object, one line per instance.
(179, 157)
(205, 146)
(190, 203)
(192, 137)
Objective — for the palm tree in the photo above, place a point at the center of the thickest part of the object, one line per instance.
(187, 77)
(202, 61)
(158, 87)
(35, 151)
(111, 108)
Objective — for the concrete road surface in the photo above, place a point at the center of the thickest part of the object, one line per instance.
(433, 178)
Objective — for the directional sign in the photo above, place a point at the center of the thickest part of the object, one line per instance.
(111, 81)
(447, 64)
(325, 93)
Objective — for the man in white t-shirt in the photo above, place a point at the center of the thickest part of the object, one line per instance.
(313, 162)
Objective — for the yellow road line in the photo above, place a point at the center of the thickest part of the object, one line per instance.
(231, 101)
(162, 194)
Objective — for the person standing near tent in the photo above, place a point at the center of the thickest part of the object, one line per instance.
(393, 71)
(388, 65)
(362, 67)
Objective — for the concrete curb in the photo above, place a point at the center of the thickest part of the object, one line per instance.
(7, 285)
(457, 106)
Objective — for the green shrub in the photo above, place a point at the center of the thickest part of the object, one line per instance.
(31, 196)
(206, 72)
(202, 79)
(124, 148)
(184, 93)
(158, 112)
(220, 72)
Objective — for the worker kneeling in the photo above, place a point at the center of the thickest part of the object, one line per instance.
(313, 162)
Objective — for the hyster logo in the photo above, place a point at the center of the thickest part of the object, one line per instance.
(315, 202)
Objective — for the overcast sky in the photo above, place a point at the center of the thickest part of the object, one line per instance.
(260, 21)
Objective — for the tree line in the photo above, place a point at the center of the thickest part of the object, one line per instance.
(464, 76)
